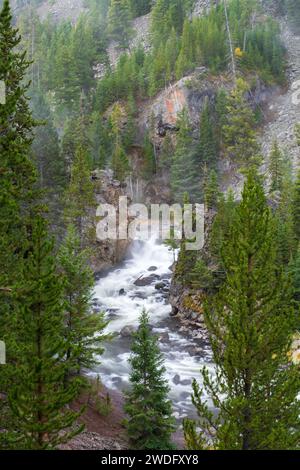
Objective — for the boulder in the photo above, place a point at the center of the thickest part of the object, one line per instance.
(146, 281)
(127, 331)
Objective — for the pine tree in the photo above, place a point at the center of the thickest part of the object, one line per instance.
(238, 133)
(276, 167)
(207, 142)
(37, 396)
(150, 423)
(80, 196)
(83, 328)
(149, 158)
(294, 270)
(296, 206)
(211, 190)
(186, 59)
(140, 7)
(184, 178)
(119, 22)
(297, 133)
(119, 160)
(250, 323)
(18, 175)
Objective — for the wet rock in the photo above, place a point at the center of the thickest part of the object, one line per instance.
(116, 380)
(164, 336)
(152, 268)
(127, 331)
(160, 286)
(176, 379)
(139, 295)
(174, 311)
(146, 281)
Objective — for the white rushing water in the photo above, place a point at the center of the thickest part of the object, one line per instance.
(123, 301)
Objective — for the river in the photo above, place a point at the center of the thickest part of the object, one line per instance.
(123, 301)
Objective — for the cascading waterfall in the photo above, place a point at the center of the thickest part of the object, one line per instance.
(123, 301)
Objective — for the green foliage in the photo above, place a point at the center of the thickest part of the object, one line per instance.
(250, 323)
(140, 7)
(119, 21)
(37, 394)
(207, 141)
(80, 202)
(211, 190)
(83, 328)
(184, 177)
(150, 423)
(296, 206)
(276, 167)
(238, 131)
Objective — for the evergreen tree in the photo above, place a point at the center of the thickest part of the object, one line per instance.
(80, 197)
(296, 206)
(45, 148)
(207, 143)
(238, 133)
(184, 178)
(276, 168)
(119, 22)
(16, 127)
(150, 423)
(250, 323)
(297, 133)
(211, 190)
(149, 158)
(140, 7)
(37, 396)
(186, 59)
(83, 328)
(119, 161)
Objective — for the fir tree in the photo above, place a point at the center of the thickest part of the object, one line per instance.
(211, 190)
(238, 133)
(276, 167)
(37, 396)
(80, 196)
(296, 206)
(207, 143)
(83, 328)
(184, 178)
(119, 22)
(150, 423)
(250, 323)
(18, 175)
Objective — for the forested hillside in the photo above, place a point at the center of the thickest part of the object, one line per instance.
(166, 101)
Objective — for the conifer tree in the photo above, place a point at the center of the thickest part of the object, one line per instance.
(186, 59)
(119, 161)
(296, 206)
(80, 196)
(250, 323)
(150, 423)
(16, 127)
(83, 328)
(297, 133)
(238, 132)
(207, 143)
(37, 396)
(119, 22)
(184, 178)
(211, 190)
(276, 167)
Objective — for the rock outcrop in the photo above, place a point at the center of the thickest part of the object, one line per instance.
(284, 110)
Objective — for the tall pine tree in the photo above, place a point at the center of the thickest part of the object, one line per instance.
(250, 323)
(150, 423)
